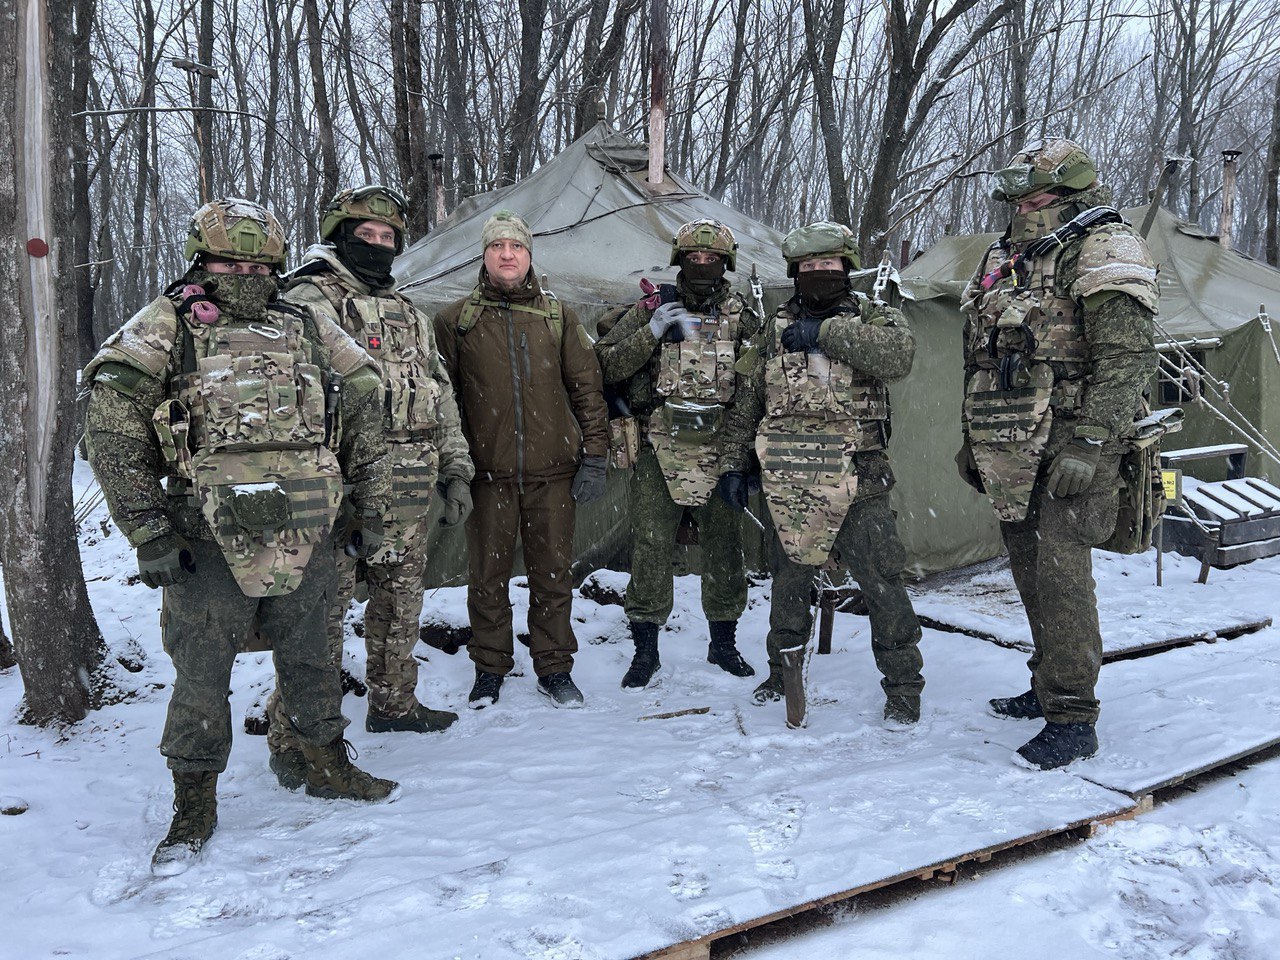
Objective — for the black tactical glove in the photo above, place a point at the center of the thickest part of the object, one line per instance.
(364, 536)
(589, 483)
(1072, 469)
(166, 560)
(733, 489)
(969, 468)
(802, 336)
(456, 495)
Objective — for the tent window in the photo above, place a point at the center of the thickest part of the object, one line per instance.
(1174, 385)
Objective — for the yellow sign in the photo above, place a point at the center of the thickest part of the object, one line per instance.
(1172, 480)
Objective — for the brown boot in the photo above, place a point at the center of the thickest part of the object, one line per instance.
(332, 775)
(195, 814)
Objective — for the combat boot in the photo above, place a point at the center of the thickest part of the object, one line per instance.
(290, 768)
(771, 689)
(645, 662)
(484, 692)
(1059, 744)
(723, 651)
(560, 689)
(332, 776)
(901, 709)
(1025, 706)
(195, 814)
(420, 719)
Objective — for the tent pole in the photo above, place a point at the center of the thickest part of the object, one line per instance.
(658, 89)
(1226, 224)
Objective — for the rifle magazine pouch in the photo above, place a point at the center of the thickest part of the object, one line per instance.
(624, 442)
(172, 424)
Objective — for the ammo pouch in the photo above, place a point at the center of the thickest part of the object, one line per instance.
(697, 370)
(172, 424)
(624, 442)
(1142, 500)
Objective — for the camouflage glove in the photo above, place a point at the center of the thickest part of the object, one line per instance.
(802, 336)
(969, 468)
(364, 536)
(1072, 469)
(166, 560)
(456, 495)
(733, 489)
(588, 482)
(672, 315)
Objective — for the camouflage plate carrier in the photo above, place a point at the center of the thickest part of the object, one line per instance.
(695, 380)
(818, 414)
(244, 427)
(1026, 338)
(399, 337)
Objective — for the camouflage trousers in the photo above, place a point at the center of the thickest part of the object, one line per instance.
(1051, 556)
(868, 546)
(654, 519)
(204, 623)
(394, 578)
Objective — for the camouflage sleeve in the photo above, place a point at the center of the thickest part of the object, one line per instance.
(309, 295)
(627, 346)
(581, 374)
(455, 454)
(1119, 332)
(362, 452)
(125, 457)
(742, 420)
(877, 343)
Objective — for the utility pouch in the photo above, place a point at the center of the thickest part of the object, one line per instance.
(172, 424)
(624, 442)
(259, 507)
(690, 422)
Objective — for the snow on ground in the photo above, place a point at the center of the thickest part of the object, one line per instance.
(526, 832)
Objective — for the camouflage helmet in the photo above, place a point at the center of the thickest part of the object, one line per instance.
(710, 236)
(374, 202)
(1041, 165)
(821, 239)
(235, 229)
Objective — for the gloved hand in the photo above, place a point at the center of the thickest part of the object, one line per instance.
(1073, 468)
(589, 483)
(457, 501)
(968, 468)
(364, 536)
(166, 560)
(672, 315)
(801, 336)
(732, 488)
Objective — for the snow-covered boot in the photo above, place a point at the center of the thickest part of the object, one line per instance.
(195, 814)
(901, 710)
(723, 651)
(1059, 744)
(1025, 706)
(771, 689)
(560, 689)
(332, 776)
(645, 662)
(485, 691)
(420, 719)
(290, 768)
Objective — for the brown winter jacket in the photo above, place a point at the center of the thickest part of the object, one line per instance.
(531, 407)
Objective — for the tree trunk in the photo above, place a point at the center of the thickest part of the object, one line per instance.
(822, 41)
(1273, 183)
(418, 183)
(320, 91)
(204, 98)
(60, 654)
(7, 659)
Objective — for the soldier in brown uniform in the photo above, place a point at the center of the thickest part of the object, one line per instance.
(347, 277)
(254, 413)
(529, 393)
(673, 365)
(814, 406)
(1058, 350)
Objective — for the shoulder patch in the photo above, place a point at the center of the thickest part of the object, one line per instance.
(120, 377)
(1116, 258)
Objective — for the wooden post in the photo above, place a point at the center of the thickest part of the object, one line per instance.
(658, 90)
(1227, 225)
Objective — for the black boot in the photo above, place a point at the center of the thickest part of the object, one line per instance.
(1059, 744)
(418, 720)
(195, 814)
(560, 689)
(645, 663)
(1025, 706)
(290, 767)
(723, 651)
(771, 689)
(484, 692)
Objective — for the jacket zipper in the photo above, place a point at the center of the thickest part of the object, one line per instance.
(517, 389)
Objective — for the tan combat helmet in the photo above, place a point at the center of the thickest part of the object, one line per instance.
(374, 202)
(821, 239)
(711, 236)
(235, 229)
(1041, 165)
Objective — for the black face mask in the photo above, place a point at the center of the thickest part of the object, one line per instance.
(370, 262)
(703, 279)
(821, 289)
